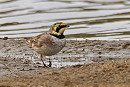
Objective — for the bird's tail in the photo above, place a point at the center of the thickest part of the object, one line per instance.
(25, 39)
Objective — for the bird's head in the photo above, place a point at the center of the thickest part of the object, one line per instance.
(58, 28)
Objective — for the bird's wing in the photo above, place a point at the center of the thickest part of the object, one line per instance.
(42, 39)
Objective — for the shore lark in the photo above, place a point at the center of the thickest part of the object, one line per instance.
(50, 42)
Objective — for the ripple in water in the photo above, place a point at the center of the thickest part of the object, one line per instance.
(91, 19)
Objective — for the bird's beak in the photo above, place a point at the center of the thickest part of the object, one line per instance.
(68, 26)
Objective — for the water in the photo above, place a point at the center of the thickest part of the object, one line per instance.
(91, 19)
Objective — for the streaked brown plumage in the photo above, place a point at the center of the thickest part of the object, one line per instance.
(50, 42)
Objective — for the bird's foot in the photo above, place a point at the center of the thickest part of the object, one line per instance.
(49, 65)
(44, 65)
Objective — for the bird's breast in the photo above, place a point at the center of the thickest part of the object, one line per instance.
(52, 47)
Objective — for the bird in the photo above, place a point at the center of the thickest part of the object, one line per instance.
(49, 43)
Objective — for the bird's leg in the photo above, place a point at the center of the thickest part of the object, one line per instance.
(50, 63)
(41, 56)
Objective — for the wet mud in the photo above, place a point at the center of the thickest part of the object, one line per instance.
(91, 63)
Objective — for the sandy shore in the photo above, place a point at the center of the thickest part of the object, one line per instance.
(106, 63)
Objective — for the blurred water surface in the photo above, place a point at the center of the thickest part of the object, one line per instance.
(91, 19)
